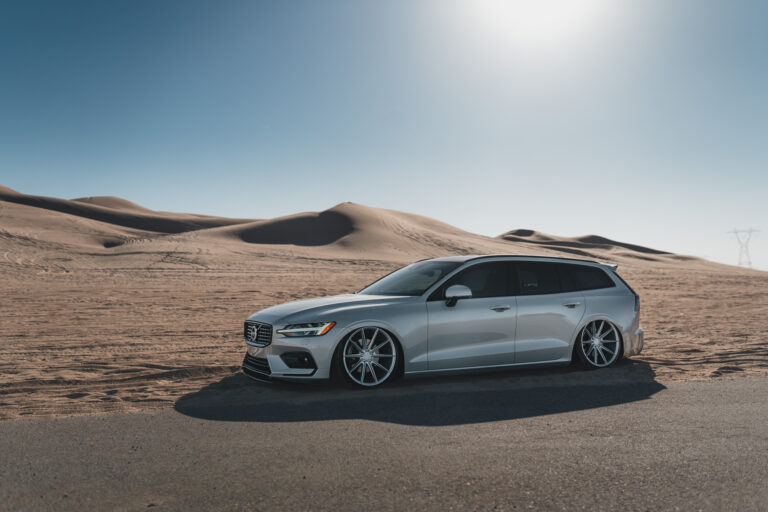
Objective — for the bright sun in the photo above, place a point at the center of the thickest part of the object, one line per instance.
(539, 25)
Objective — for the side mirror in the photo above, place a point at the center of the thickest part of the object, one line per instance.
(456, 292)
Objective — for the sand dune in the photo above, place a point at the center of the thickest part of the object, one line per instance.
(305, 229)
(351, 229)
(354, 230)
(346, 230)
(112, 202)
(589, 246)
(110, 306)
(135, 217)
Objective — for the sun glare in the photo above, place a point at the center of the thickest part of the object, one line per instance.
(539, 25)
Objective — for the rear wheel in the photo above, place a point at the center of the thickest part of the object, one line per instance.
(599, 344)
(368, 357)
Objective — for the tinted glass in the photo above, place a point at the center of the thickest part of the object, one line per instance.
(590, 278)
(537, 278)
(413, 280)
(567, 281)
(484, 279)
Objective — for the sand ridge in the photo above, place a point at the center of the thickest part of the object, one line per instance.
(115, 211)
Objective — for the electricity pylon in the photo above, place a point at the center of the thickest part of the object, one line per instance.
(743, 236)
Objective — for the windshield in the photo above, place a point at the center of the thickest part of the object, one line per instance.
(412, 280)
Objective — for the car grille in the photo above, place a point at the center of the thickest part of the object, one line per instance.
(256, 364)
(263, 335)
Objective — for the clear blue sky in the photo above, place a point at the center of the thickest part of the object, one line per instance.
(644, 121)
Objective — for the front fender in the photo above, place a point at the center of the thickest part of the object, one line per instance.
(410, 334)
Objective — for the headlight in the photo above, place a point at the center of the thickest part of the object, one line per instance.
(311, 329)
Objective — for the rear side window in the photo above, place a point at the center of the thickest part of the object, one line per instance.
(590, 278)
(567, 279)
(484, 279)
(538, 278)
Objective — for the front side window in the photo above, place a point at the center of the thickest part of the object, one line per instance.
(412, 280)
(484, 279)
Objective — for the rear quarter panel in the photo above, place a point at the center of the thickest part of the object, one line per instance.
(616, 305)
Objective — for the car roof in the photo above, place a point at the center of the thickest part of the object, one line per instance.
(523, 257)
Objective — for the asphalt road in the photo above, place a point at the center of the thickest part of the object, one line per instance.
(556, 439)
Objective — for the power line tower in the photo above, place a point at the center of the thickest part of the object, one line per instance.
(743, 236)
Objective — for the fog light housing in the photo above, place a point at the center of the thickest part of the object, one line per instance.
(302, 360)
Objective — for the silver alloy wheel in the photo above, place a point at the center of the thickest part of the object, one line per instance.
(600, 343)
(369, 356)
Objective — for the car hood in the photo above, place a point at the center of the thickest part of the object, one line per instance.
(311, 309)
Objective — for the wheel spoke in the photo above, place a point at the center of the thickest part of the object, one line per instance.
(601, 348)
(372, 372)
(363, 360)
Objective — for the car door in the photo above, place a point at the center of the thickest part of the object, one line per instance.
(549, 310)
(478, 331)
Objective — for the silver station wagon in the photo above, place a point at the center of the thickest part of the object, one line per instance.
(465, 313)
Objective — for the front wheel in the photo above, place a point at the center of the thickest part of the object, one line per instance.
(599, 344)
(368, 357)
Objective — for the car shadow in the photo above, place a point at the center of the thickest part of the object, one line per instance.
(440, 401)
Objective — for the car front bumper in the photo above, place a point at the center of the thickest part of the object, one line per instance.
(298, 359)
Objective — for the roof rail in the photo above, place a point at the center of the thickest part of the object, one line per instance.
(612, 266)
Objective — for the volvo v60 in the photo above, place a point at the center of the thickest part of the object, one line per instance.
(465, 313)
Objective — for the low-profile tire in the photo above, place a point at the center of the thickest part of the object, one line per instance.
(599, 345)
(367, 358)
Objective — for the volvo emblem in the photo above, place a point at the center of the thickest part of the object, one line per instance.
(253, 332)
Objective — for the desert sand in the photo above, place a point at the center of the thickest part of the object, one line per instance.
(108, 306)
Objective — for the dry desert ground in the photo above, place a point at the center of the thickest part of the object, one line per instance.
(108, 306)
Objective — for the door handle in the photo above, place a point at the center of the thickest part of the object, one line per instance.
(572, 304)
(499, 309)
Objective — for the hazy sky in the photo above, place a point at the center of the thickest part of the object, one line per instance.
(643, 121)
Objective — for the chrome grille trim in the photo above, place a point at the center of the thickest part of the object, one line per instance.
(263, 333)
